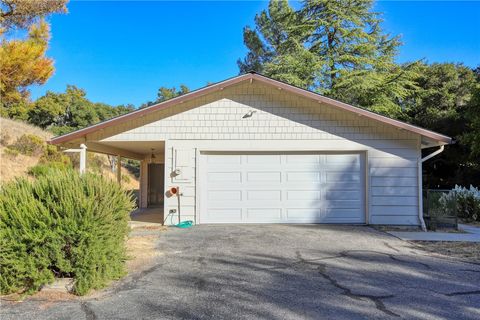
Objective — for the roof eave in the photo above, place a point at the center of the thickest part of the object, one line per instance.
(251, 76)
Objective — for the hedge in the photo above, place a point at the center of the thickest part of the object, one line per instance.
(62, 225)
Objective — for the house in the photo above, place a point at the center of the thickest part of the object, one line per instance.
(251, 149)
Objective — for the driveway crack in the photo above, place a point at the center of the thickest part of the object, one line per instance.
(377, 300)
(462, 293)
(89, 313)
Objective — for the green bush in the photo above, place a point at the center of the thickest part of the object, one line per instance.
(52, 154)
(29, 144)
(465, 202)
(43, 169)
(62, 225)
(11, 153)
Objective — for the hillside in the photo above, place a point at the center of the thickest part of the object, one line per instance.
(17, 165)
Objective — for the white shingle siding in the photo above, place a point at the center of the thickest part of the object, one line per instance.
(284, 122)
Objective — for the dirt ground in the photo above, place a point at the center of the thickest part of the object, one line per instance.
(469, 251)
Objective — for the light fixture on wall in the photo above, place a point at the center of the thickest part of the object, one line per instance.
(249, 114)
(153, 154)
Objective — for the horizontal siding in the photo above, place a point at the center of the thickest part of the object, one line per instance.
(394, 201)
(394, 210)
(393, 191)
(395, 220)
(394, 181)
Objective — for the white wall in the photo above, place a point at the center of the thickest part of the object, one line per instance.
(282, 122)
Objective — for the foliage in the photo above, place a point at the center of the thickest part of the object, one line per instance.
(62, 225)
(23, 64)
(445, 102)
(471, 137)
(334, 47)
(29, 145)
(23, 60)
(11, 152)
(22, 13)
(165, 93)
(46, 168)
(466, 202)
(65, 112)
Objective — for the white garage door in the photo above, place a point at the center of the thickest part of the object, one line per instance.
(282, 188)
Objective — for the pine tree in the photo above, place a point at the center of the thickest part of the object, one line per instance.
(23, 61)
(336, 48)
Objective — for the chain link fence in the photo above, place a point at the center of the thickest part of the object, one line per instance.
(438, 213)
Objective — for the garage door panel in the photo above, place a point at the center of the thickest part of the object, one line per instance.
(224, 215)
(343, 195)
(343, 204)
(264, 214)
(263, 159)
(342, 185)
(222, 195)
(304, 195)
(332, 213)
(224, 177)
(343, 176)
(264, 195)
(303, 176)
(303, 159)
(309, 214)
(288, 188)
(262, 176)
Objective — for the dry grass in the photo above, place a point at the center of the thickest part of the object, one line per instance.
(12, 167)
(463, 250)
(11, 130)
(142, 251)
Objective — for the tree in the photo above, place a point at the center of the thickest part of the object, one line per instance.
(23, 60)
(71, 110)
(445, 102)
(23, 13)
(165, 93)
(336, 48)
(277, 46)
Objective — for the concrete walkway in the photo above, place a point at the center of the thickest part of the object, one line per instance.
(472, 235)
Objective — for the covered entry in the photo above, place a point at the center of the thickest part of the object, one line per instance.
(282, 188)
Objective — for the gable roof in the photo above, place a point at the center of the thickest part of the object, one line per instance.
(252, 76)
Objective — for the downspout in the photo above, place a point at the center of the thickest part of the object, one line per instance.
(420, 185)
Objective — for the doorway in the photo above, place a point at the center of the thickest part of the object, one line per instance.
(156, 177)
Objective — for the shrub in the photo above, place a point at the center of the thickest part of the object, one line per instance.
(52, 154)
(29, 144)
(12, 153)
(4, 138)
(466, 202)
(43, 169)
(62, 224)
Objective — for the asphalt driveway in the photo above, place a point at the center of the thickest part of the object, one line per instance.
(280, 272)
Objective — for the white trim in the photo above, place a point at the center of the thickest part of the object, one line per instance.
(367, 188)
(197, 189)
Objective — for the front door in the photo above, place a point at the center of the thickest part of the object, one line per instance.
(155, 184)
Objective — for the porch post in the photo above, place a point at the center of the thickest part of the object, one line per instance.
(83, 158)
(119, 169)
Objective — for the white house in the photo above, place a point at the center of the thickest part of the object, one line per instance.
(251, 149)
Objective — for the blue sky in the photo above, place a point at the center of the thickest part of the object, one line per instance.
(121, 52)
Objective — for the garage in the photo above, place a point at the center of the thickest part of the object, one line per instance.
(286, 187)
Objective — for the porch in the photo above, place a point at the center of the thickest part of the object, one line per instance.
(148, 215)
(151, 156)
